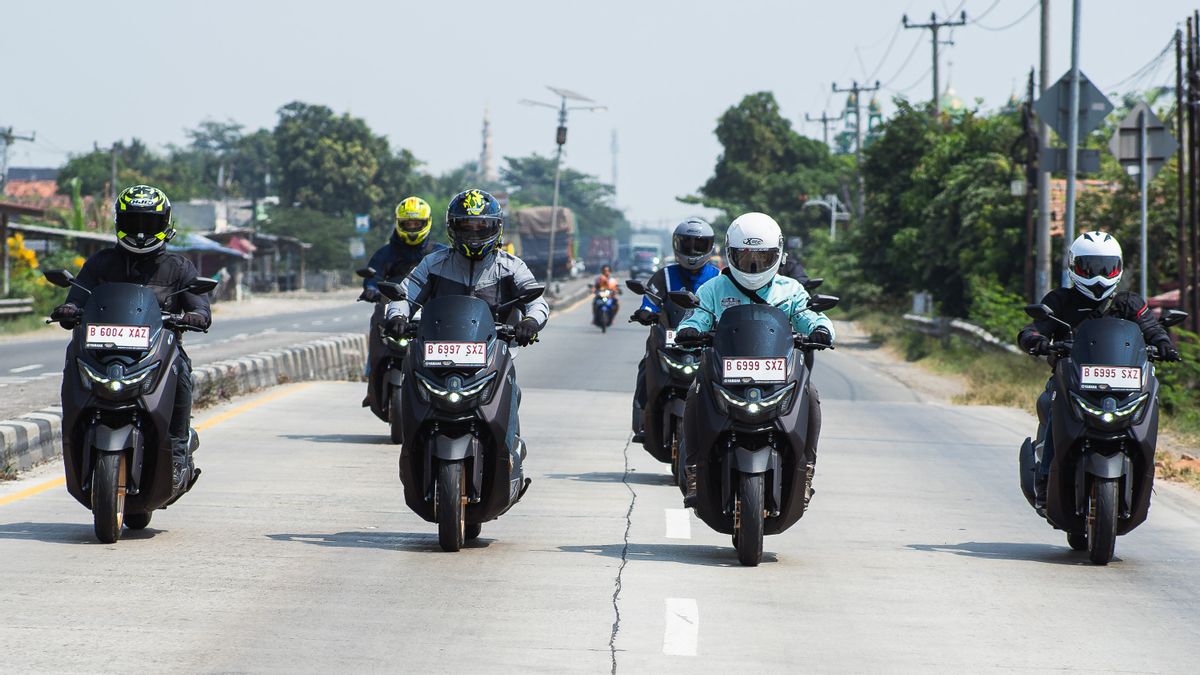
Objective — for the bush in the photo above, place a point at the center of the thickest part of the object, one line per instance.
(995, 309)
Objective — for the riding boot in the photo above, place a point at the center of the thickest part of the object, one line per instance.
(690, 500)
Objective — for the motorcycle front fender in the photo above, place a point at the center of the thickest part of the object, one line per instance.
(461, 448)
(758, 460)
(103, 438)
(395, 377)
(1102, 466)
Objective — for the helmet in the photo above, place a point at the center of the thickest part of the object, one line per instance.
(475, 222)
(413, 221)
(143, 219)
(754, 246)
(693, 243)
(1095, 262)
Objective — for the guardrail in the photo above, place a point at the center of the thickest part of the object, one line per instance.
(16, 307)
(941, 327)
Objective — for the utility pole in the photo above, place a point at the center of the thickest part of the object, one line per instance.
(1072, 141)
(854, 88)
(824, 120)
(8, 138)
(614, 149)
(934, 26)
(1042, 274)
(1031, 176)
(1180, 166)
(560, 138)
(1193, 135)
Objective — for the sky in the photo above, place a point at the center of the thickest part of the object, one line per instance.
(422, 73)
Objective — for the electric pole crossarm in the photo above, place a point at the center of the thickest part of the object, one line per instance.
(933, 27)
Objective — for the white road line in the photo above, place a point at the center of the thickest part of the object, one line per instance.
(682, 629)
(26, 369)
(679, 524)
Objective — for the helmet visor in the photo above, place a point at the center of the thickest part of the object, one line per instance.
(753, 261)
(1091, 266)
(411, 225)
(475, 230)
(689, 245)
(147, 225)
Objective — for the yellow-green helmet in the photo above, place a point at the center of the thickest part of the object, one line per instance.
(143, 219)
(413, 221)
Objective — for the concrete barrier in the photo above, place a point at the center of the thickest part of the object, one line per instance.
(37, 437)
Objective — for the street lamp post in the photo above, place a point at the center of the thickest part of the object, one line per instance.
(560, 138)
(836, 213)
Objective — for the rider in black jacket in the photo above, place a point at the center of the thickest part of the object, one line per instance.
(1096, 269)
(143, 221)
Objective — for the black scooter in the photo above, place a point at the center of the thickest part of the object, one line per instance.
(747, 421)
(384, 374)
(1104, 422)
(118, 391)
(460, 461)
(670, 371)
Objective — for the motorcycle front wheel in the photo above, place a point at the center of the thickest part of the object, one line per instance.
(1102, 520)
(108, 496)
(748, 531)
(450, 502)
(395, 415)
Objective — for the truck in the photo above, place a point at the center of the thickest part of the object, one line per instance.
(645, 255)
(529, 233)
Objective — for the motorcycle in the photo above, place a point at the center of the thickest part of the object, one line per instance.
(461, 455)
(604, 307)
(118, 392)
(670, 371)
(384, 372)
(746, 423)
(1104, 422)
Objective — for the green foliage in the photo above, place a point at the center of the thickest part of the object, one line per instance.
(530, 181)
(328, 234)
(1179, 383)
(839, 263)
(996, 310)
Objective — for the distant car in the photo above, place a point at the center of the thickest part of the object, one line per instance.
(644, 264)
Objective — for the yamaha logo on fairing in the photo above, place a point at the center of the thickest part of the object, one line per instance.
(752, 241)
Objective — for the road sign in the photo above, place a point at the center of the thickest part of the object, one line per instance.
(362, 223)
(1055, 161)
(1053, 106)
(1126, 143)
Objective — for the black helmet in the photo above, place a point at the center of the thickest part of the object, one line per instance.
(143, 219)
(475, 222)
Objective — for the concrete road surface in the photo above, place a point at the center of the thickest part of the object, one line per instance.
(295, 553)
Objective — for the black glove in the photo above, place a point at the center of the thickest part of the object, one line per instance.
(644, 316)
(687, 335)
(370, 295)
(396, 325)
(194, 320)
(821, 336)
(526, 330)
(66, 312)
(1038, 345)
(1167, 351)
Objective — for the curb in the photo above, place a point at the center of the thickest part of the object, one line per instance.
(37, 437)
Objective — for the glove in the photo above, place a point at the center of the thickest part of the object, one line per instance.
(821, 336)
(370, 295)
(66, 313)
(195, 320)
(1167, 351)
(396, 325)
(687, 334)
(1038, 345)
(526, 330)
(644, 316)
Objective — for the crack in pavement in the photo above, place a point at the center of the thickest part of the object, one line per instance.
(616, 627)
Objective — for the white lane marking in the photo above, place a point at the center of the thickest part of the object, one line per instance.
(682, 630)
(26, 369)
(679, 524)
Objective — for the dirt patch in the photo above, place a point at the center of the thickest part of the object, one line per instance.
(929, 386)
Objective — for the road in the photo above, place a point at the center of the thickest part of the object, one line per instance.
(296, 552)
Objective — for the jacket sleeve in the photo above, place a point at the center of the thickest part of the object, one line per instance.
(523, 279)
(1038, 328)
(88, 278)
(191, 302)
(804, 320)
(412, 287)
(658, 286)
(1135, 308)
(698, 318)
(379, 263)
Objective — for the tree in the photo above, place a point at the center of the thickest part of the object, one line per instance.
(530, 182)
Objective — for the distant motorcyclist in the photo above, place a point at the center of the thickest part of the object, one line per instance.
(1096, 268)
(693, 244)
(143, 225)
(754, 246)
(792, 266)
(606, 281)
(393, 261)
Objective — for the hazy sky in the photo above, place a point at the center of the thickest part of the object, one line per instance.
(423, 72)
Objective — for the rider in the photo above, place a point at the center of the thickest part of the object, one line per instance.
(754, 245)
(606, 281)
(143, 224)
(393, 261)
(693, 244)
(792, 266)
(1095, 270)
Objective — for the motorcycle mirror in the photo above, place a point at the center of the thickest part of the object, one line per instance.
(533, 293)
(391, 291)
(365, 272)
(635, 286)
(685, 299)
(60, 278)
(202, 286)
(1039, 312)
(822, 303)
(813, 284)
(1172, 317)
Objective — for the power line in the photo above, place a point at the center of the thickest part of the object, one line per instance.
(1035, 5)
(907, 59)
(934, 26)
(1140, 73)
(857, 91)
(995, 3)
(912, 86)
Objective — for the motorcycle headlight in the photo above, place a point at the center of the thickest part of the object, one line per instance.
(1109, 414)
(398, 343)
(754, 403)
(456, 394)
(682, 367)
(114, 384)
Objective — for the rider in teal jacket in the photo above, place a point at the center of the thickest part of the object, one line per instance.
(721, 293)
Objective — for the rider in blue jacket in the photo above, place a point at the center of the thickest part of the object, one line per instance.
(693, 244)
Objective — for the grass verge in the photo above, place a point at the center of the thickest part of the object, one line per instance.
(22, 324)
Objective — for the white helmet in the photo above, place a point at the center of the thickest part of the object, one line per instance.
(754, 246)
(693, 243)
(1096, 264)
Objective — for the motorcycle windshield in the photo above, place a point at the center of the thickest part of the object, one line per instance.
(753, 330)
(1109, 341)
(123, 305)
(456, 318)
(672, 314)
